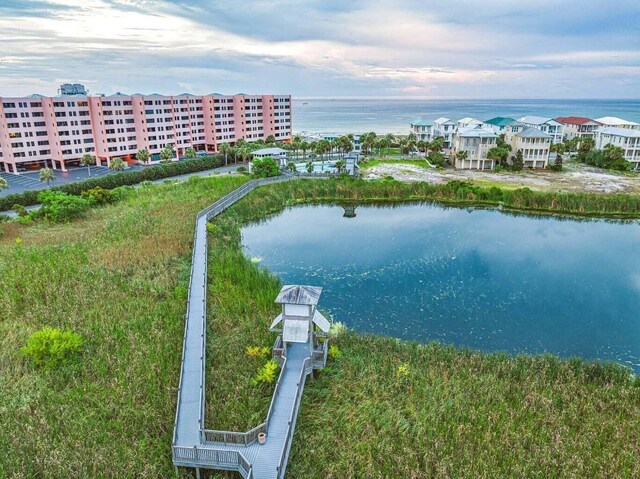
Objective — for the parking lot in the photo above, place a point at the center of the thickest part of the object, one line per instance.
(30, 180)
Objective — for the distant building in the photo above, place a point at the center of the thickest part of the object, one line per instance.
(468, 122)
(445, 128)
(545, 125)
(626, 138)
(334, 136)
(534, 143)
(278, 154)
(499, 123)
(578, 127)
(54, 131)
(615, 122)
(73, 89)
(476, 143)
(422, 129)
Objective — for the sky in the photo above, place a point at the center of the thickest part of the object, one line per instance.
(324, 48)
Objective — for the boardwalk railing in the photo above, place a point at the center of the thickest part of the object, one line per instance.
(228, 437)
(203, 454)
(306, 369)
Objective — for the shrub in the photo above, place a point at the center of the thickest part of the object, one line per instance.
(267, 373)
(114, 180)
(265, 167)
(258, 351)
(334, 352)
(99, 195)
(51, 347)
(20, 210)
(59, 207)
(241, 169)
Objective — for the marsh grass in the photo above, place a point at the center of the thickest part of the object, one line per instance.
(119, 277)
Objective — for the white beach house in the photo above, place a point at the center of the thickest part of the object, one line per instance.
(578, 127)
(422, 129)
(615, 122)
(468, 122)
(545, 125)
(476, 143)
(445, 128)
(626, 138)
(534, 143)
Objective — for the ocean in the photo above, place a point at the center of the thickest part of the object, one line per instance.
(393, 116)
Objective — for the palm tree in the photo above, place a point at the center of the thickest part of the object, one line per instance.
(47, 174)
(225, 148)
(143, 156)
(166, 154)
(3, 184)
(87, 160)
(190, 153)
(310, 167)
(117, 164)
(304, 146)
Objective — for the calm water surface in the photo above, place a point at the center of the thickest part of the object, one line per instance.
(475, 278)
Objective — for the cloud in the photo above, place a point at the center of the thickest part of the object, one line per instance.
(441, 48)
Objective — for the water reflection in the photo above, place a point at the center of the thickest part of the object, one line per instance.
(476, 278)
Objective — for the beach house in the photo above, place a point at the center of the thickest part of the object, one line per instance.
(471, 146)
(615, 122)
(467, 122)
(445, 128)
(499, 123)
(422, 129)
(626, 138)
(545, 125)
(534, 143)
(578, 127)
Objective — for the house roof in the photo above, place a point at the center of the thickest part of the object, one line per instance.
(536, 120)
(442, 120)
(624, 132)
(298, 294)
(468, 120)
(531, 132)
(575, 120)
(477, 132)
(613, 120)
(420, 123)
(501, 121)
(269, 151)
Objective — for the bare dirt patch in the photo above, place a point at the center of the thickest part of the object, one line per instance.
(577, 177)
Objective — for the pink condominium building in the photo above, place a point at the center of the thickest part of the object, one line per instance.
(55, 131)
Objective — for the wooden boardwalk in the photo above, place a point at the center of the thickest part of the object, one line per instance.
(240, 452)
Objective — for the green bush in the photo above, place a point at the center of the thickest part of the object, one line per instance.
(20, 210)
(99, 195)
(51, 347)
(267, 373)
(114, 180)
(59, 207)
(265, 167)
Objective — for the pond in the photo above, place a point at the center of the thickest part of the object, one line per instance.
(470, 277)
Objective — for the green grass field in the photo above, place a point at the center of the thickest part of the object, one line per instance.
(370, 163)
(385, 408)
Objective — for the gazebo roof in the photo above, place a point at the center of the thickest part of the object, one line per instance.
(298, 294)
